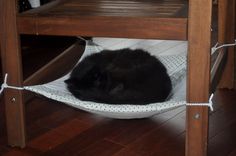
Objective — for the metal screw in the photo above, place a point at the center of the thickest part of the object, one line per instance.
(197, 116)
(13, 99)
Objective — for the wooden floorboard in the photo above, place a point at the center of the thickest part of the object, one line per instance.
(223, 124)
(162, 137)
(68, 131)
(56, 129)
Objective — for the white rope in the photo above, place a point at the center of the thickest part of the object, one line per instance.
(5, 85)
(83, 39)
(216, 47)
(209, 104)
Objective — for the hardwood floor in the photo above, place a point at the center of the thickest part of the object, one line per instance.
(56, 129)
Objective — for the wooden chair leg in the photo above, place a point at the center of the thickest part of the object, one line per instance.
(11, 64)
(198, 83)
(226, 19)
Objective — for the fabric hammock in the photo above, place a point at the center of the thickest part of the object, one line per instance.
(176, 67)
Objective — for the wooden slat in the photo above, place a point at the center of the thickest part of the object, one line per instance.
(44, 7)
(165, 19)
(11, 63)
(127, 8)
(105, 27)
(198, 78)
(217, 69)
(226, 33)
(58, 66)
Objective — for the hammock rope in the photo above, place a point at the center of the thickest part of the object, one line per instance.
(209, 104)
(217, 46)
(5, 85)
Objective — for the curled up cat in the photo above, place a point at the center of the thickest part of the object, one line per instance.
(122, 76)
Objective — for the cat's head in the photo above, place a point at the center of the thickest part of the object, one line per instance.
(94, 78)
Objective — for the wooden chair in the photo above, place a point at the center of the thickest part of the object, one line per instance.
(154, 19)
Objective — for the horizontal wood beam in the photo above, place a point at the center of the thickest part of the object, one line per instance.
(57, 67)
(137, 27)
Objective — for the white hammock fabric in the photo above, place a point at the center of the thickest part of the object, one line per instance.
(175, 64)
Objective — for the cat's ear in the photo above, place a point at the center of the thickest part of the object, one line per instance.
(117, 89)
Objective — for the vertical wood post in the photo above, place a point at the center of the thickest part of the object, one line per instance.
(226, 34)
(11, 64)
(198, 79)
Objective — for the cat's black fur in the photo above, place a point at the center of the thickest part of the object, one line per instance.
(120, 77)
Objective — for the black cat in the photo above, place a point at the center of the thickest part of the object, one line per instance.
(120, 77)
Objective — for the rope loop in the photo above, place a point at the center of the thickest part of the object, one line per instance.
(5, 85)
(209, 104)
(217, 46)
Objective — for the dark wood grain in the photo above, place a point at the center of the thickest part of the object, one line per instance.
(100, 149)
(163, 19)
(69, 57)
(104, 27)
(223, 124)
(227, 35)
(141, 128)
(198, 77)
(11, 60)
(217, 69)
(159, 138)
(76, 8)
(44, 48)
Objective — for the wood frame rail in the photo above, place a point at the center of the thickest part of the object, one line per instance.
(198, 76)
(11, 64)
(47, 21)
(98, 27)
(50, 71)
(226, 22)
